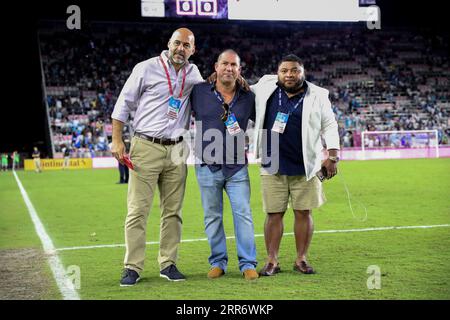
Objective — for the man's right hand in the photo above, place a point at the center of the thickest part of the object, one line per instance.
(118, 150)
(212, 78)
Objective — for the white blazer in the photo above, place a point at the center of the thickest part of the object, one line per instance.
(317, 120)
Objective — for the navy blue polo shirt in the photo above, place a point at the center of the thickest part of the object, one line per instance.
(290, 142)
(208, 110)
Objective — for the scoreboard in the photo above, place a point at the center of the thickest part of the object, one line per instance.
(292, 10)
(212, 9)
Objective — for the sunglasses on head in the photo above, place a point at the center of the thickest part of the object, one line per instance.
(226, 110)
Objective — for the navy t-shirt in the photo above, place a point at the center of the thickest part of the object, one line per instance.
(208, 109)
(290, 142)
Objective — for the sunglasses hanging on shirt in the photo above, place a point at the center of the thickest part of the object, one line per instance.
(228, 118)
(226, 111)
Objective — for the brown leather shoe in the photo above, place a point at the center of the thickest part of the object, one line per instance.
(215, 272)
(250, 274)
(270, 269)
(304, 267)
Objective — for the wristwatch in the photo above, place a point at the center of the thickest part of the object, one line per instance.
(334, 159)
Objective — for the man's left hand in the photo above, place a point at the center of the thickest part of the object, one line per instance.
(212, 78)
(331, 167)
(243, 83)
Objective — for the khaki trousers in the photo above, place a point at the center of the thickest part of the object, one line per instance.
(162, 166)
(37, 164)
(66, 162)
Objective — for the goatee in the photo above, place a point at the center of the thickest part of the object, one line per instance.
(296, 88)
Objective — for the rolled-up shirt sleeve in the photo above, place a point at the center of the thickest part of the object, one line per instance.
(129, 96)
(197, 75)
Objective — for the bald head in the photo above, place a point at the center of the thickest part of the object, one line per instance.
(229, 52)
(183, 32)
(181, 46)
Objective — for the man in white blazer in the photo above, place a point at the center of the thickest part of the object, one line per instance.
(292, 117)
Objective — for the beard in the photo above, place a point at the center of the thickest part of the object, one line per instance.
(295, 88)
(177, 60)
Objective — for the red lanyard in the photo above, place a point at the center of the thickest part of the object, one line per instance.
(170, 82)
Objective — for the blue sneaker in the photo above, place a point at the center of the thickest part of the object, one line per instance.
(129, 278)
(171, 273)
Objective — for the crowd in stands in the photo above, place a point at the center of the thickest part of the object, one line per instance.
(378, 79)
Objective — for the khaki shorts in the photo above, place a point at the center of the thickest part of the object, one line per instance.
(305, 195)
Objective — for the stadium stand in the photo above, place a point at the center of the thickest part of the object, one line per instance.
(378, 80)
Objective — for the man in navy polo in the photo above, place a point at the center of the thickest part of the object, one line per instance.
(222, 111)
(295, 115)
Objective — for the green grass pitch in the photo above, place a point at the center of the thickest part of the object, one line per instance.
(86, 208)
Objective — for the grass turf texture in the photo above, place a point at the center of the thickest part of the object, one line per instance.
(86, 207)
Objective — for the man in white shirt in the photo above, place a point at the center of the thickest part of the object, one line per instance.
(158, 92)
(37, 159)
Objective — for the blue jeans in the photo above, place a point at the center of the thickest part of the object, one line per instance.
(237, 187)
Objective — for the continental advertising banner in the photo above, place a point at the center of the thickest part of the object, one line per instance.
(57, 164)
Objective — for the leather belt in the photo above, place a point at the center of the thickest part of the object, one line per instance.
(162, 141)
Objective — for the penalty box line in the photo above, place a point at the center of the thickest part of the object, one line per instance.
(59, 273)
(262, 235)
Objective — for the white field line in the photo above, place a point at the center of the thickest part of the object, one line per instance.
(64, 284)
(261, 235)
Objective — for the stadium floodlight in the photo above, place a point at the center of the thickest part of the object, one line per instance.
(269, 10)
(153, 8)
(300, 10)
(390, 144)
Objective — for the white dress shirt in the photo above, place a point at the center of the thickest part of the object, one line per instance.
(147, 93)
